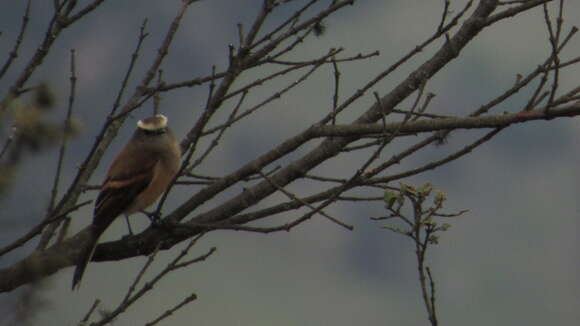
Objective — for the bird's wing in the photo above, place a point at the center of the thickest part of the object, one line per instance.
(121, 187)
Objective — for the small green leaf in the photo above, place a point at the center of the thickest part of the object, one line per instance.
(445, 226)
(407, 189)
(425, 190)
(440, 198)
(395, 229)
(433, 239)
(390, 198)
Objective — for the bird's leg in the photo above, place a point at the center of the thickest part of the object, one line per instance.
(128, 224)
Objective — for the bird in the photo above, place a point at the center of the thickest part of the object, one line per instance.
(139, 174)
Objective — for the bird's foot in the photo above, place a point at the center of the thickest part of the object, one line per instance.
(156, 221)
(154, 217)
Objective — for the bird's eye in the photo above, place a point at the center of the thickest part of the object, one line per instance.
(154, 132)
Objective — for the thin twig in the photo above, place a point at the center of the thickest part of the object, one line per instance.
(39, 227)
(7, 144)
(81, 13)
(14, 52)
(336, 89)
(215, 141)
(432, 295)
(418, 49)
(170, 312)
(275, 96)
(134, 56)
(435, 164)
(66, 126)
(554, 40)
(91, 310)
(148, 286)
(140, 275)
(296, 198)
(444, 15)
(291, 20)
(50, 230)
(157, 96)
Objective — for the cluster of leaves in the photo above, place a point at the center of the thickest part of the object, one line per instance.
(422, 225)
(420, 210)
(31, 129)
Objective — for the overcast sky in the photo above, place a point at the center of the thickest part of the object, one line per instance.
(512, 260)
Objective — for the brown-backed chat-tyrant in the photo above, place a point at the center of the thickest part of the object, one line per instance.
(140, 173)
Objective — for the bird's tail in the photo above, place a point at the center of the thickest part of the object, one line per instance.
(86, 256)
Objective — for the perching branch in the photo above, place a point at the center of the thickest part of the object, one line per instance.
(266, 53)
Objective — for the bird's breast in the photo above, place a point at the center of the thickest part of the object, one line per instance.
(163, 173)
